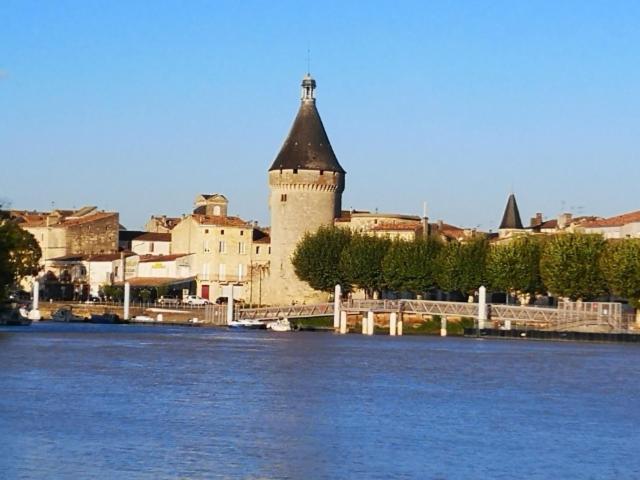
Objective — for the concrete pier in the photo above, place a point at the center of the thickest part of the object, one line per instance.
(127, 300)
(343, 322)
(482, 307)
(393, 324)
(443, 327)
(337, 296)
(370, 323)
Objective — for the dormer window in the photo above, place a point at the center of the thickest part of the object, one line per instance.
(295, 170)
(283, 197)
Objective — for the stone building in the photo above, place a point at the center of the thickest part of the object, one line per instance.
(161, 224)
(626, 225)
(306, 182)
(64, 232)
(226, 250)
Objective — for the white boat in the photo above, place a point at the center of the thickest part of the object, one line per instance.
(143, 319)
(251, 324)
(280, 325)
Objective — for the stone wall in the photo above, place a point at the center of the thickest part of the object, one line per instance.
(300, 201)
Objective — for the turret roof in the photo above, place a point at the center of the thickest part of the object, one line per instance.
(307, 146)
(511, 217)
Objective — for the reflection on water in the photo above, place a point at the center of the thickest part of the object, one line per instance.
(125, 401)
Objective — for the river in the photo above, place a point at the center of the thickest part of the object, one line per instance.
(154, 402)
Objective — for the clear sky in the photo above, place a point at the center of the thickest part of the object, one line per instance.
(138, 106)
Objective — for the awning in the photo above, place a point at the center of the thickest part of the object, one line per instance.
(156, 281)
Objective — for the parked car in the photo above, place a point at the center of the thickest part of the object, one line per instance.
(169, 300)
(195, 300)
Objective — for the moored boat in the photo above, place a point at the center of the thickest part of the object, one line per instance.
(106, 318)
(13, 317)
(280, 325)
(248, 324)
(65, 314)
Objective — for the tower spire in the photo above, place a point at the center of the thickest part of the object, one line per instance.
(308, 86)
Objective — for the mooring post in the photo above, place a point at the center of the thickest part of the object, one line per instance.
(337, 297)
(393, 323)
(127, 299)
(370, 322)
(482, 307)
(399, 327)
(365, 325)
(343, 322)
(228, 292)
(443, 326)
(34, 313)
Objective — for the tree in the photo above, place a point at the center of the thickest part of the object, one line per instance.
(19, 255)
(570, 265)
(361, 262)
(514, 267)
(462, 266)
(620, 264)
(411, 265)
(316, 259)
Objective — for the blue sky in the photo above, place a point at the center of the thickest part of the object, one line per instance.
(138, 106)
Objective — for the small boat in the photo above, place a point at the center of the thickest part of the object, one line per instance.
(249, 324)
(65, 314)
(14, 317)
(280, 325)
(106, 318)
(143, 319)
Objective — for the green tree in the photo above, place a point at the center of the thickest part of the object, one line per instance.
(411, 265)
(514, 267)
(620, 264)
(316, 259)
(361, 262)
(19, 255)
(570, 265)
(462, 265)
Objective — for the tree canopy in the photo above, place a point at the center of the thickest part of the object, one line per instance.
(19, 255)
(361, 262)
(570, 265)
(411, 266)
(514, 267)
(316, 259)
(462, 266)
(620, 264)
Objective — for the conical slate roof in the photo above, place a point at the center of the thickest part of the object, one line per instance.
(511, 217)
(307, 146)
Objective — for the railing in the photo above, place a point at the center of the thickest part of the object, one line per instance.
(288, 311)
(215, 314)
(426, 307)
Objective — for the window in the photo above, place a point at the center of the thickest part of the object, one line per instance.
(295, 170)
(269, 250)
(222, 246)
(241, 233)
(206, 230)
(151, 247)
(221, 232)
(283, 197)
(257, 250)
(222, 271)
(242, 248)
(216, 211)
(205, 246)
(240, 271)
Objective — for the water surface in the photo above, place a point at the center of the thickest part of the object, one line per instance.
(148, 402)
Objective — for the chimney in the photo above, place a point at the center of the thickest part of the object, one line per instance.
(564, 220)
(537, 220)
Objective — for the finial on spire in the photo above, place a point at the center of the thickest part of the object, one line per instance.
(308, 86)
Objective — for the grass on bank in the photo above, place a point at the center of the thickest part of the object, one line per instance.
(428, 327)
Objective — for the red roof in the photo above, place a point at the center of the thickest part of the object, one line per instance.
(153, 237)
(617, 221)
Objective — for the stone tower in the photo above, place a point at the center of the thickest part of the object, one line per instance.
(306, 184)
